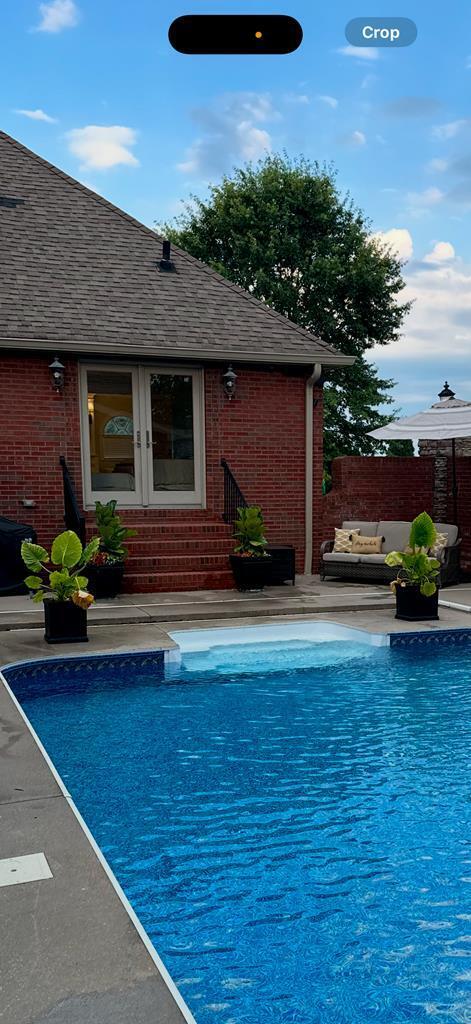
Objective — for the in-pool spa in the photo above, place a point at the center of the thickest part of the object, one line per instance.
(289, 817)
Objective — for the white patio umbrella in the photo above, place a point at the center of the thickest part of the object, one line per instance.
(445, 420)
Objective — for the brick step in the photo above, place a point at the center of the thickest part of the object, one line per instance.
(147, 531)
(207, 560)
(156, 582)
(179, 546)
(139, 516)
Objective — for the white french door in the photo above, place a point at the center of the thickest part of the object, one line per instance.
(143, 435)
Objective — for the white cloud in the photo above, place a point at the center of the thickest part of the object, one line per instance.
(399, 240)
(443, 132)
(297, 97)
(232, 131)
(420, 202)
(442, 252)
(329, 101)
(355, 138)
(436, 166)
(37, 115)
(440, 319)
(57, 15)
(360, 52)
(100, 147)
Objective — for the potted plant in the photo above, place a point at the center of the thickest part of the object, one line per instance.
(416, 586)
(105, 574)
(58, 581)
(250, 563)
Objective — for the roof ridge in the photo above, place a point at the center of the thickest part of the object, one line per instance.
(149, 232)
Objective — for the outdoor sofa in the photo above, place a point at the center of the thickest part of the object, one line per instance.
(395, 536)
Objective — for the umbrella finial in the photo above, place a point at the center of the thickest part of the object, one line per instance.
(447, 392)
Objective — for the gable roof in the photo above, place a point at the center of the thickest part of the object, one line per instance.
(79, 274)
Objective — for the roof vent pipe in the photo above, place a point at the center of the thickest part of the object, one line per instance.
(166, 264)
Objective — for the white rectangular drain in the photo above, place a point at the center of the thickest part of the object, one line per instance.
(31, 868)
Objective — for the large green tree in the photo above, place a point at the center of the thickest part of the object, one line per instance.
(282, 230)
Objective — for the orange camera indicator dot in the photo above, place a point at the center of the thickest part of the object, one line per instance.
(258, 35)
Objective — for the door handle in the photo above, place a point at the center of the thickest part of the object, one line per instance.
(138, 439)
(147, 439)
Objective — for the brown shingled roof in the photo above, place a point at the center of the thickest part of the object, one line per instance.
(78, 273)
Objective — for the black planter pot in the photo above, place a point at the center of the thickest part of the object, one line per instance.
(250, 573)
(65, 622)
(105, 580)
(412, 606)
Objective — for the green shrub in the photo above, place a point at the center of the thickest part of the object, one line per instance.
(249, 531)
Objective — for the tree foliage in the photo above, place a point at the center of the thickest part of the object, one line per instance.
(281, 230)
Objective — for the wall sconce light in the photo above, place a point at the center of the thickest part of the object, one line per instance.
(57, 374)
(229, 381)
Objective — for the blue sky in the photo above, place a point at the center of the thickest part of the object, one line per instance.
(93, 86)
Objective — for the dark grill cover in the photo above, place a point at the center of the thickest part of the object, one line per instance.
(12, 567)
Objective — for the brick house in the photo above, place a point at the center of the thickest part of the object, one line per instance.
(145, 339)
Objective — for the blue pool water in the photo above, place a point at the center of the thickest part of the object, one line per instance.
(291, 823)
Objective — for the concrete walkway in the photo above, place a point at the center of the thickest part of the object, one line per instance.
(308, 597)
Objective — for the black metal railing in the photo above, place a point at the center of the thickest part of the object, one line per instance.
(233, 497)
(74, 519)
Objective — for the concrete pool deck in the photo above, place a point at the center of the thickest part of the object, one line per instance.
(73, 954)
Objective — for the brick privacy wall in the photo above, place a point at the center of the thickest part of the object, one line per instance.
(370, 488)
(37, 425)
(374, 488)
(261, 434)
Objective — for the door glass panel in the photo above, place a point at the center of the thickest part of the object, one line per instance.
(110, 420)
(173, 462)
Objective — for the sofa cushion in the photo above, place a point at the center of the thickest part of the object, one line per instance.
(372, 559)
(366, 529)
(451, 530)
(396, 535)
(437, 549)
(341, 556)
(366, 545)
(343, 540)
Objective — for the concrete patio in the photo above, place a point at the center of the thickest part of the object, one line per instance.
(74, 954)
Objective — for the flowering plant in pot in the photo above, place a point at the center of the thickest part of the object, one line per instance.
(106, 570)
(416, 585)
(250, 563)
(58, 581)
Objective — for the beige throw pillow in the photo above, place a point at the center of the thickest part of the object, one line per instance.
(343, 540)
(439, 545)
(366, 545)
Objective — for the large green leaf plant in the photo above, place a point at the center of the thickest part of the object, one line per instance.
(58, 575)
(112, 533)
(249, 530)
(415, 566)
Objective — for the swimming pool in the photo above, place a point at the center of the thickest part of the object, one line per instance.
(290, 821)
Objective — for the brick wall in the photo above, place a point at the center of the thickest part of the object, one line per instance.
(377, 488)
(374, 488)
(37, 425)
(261, 433)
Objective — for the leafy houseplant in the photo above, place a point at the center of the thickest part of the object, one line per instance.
(58, 581)
(251, 563)
(416, 585)
(107, 566)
